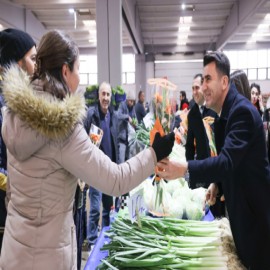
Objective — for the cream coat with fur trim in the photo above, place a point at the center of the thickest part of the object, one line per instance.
(48, 149)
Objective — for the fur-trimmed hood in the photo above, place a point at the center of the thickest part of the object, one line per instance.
(53, 118)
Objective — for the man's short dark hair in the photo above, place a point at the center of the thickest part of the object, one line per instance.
(198, 75)
(221, 60)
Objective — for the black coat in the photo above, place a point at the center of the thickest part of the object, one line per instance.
(243, 170)
(196, 131)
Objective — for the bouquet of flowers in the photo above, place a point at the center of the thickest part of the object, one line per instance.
(164, 107)
(181, 132)
(164, 102)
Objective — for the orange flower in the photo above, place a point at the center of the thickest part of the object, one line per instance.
(156, 128)
(158, 98)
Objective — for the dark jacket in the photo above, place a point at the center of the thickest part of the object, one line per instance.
(94, 118)
(140, 111)
(123, 115)
(196, 131)
(242, 168)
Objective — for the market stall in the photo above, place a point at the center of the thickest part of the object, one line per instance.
(97, 255)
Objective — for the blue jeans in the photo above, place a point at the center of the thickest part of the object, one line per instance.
(95, 197)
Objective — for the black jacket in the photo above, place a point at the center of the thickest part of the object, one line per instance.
(243, 170)
(196, 131)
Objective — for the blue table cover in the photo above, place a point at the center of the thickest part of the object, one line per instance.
(97, 255)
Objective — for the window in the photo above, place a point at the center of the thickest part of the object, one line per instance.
(256, 63)
(89, 73)
(83, 78)
(128, 68)
(252, 74)
(252, 59)
(262, 74)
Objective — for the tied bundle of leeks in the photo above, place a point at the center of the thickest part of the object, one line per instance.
(169, 243)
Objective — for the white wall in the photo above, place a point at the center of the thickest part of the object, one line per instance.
(180, 74)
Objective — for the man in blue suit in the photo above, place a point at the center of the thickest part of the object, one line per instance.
(241, 167)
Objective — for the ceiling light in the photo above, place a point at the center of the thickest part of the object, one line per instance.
(84, 12)
(89, 22)
(263, 26)
(267, 17)
(185, 19)
(183, 29)
(251, 40)
(181, 36)
(183, 43)
(71, 10)
(182, 39)
(187, 7)
(1, 26)
(93, 32)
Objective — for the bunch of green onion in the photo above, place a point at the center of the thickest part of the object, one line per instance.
(169, 243)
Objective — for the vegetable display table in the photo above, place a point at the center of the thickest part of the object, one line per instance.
(96, 255)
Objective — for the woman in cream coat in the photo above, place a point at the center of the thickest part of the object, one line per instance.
(48, 150)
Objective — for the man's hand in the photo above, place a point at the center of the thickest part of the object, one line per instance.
(169, 169)
(211, 194)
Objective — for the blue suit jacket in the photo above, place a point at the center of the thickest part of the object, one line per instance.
(242, 168)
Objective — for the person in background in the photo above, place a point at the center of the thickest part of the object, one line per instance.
(48, 150)
(197, 145)
(104, 117)
(256, 97)
(184, 104)
(241, 167)
(239, 78)
(139, 107)
(17, 47)
(126, 115)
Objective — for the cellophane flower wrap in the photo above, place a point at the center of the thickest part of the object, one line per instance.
(163, 108)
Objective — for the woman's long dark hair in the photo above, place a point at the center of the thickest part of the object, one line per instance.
(239, 78)
(55, 50)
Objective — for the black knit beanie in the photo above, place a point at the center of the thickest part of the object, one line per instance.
(14, 44)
